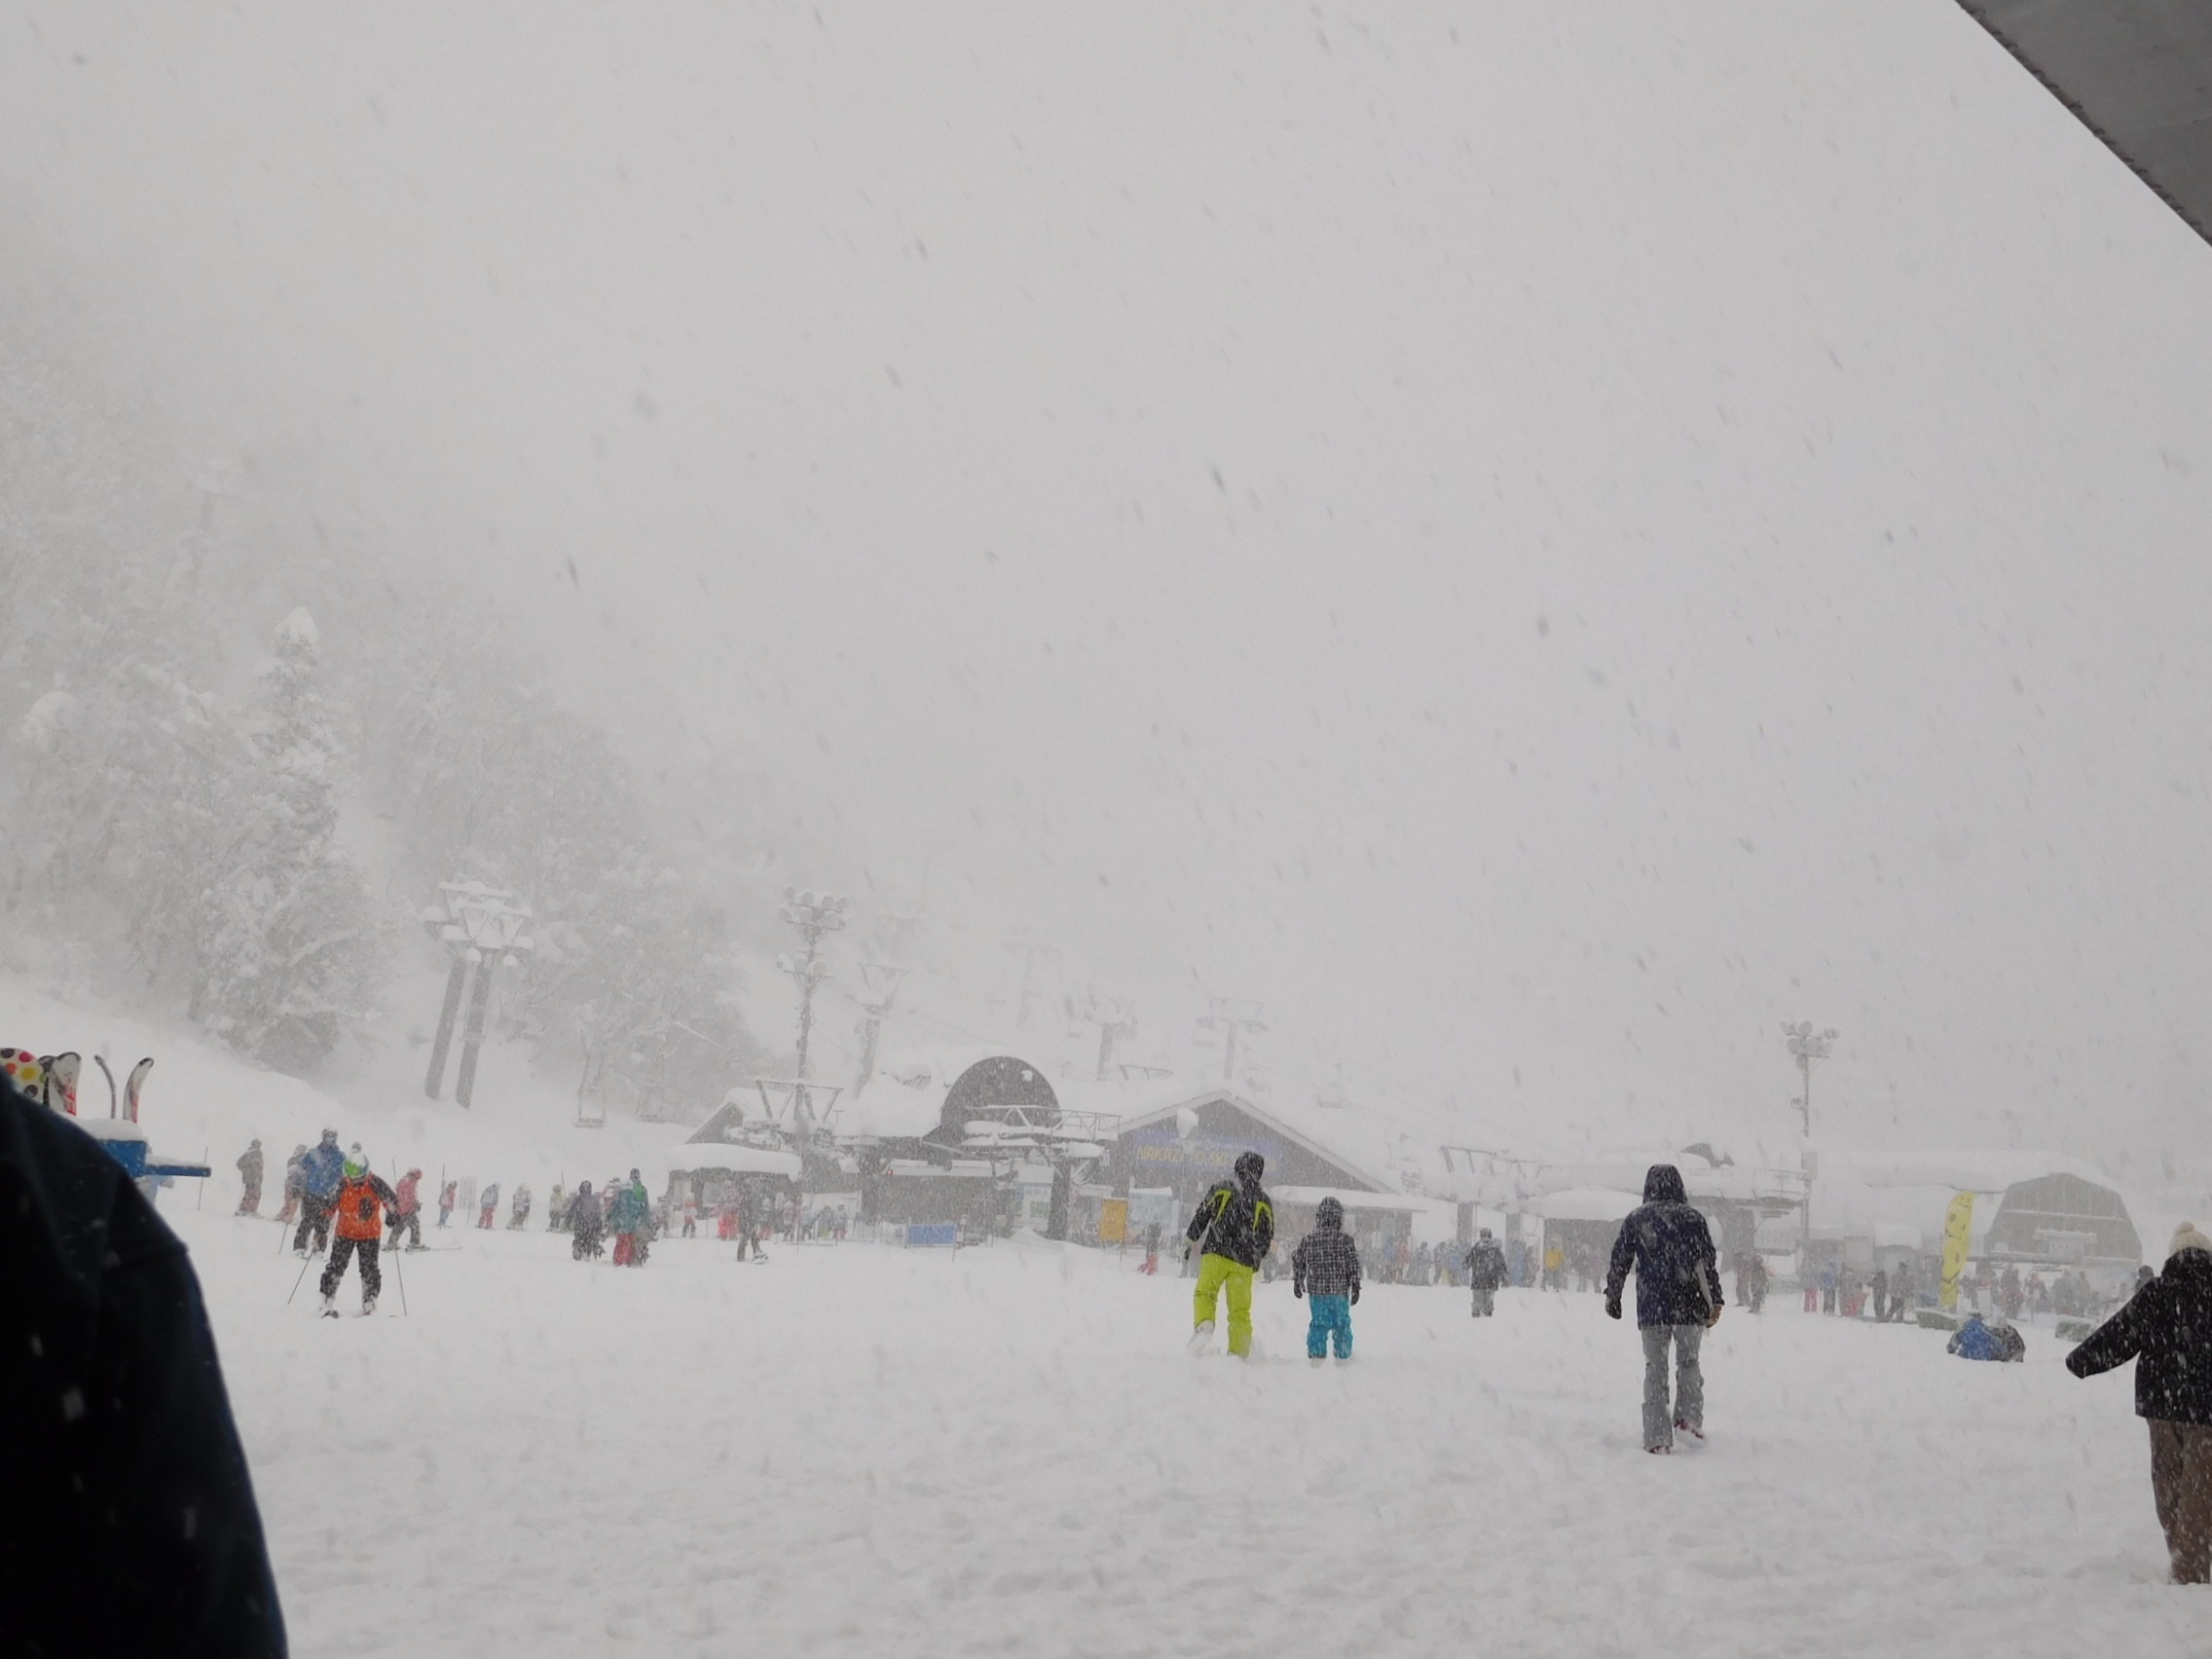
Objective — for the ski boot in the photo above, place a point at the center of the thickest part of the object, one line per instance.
(368, 1306)
(1202, 1340)
(1316, 1361)
(1683, 1426)
(329, 1306)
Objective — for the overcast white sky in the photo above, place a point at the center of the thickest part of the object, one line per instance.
(1540, 544)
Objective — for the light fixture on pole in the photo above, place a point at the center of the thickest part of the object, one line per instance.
(477, 927)
(1808, 1045)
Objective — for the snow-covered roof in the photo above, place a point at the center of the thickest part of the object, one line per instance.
(1397, 1204)
(1585, 1203)
(905, 1100)
(1331, 1149)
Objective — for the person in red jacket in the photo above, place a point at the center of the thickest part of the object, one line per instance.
(358, 1212)
(407, 1211)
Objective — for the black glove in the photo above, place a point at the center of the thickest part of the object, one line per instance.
(1297, 1289)
(1355, 1296)
(1613, 1308)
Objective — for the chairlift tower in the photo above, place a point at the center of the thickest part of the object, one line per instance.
(815, 915)
(1116, 1017)
(881, 980)
(1807, 1045)
(1230, 1017)
(476, 926)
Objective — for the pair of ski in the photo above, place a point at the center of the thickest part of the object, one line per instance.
(55, 1085)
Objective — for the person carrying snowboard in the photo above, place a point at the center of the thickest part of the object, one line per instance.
(1325, 1265)
(586, 1221)
(1677, 1295)
(1486, 1272)
(320, 1171)
(249, 1176)
(1232, 1230)
(407, 1211)
(360, 1208)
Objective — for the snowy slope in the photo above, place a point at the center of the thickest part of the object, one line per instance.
(855, 1450)
(201, 1099)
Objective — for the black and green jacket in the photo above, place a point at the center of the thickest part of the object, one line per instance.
(1235, 1219)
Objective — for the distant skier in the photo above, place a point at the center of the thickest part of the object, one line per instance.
(1151, 1250)
(487, 1207)
(320, 1171)
(1486, 1272)
(690, 1214)
(294, 1186)
(1232, 1229)
(249, 1176)
(360, 1203)
(518, 1212)
(407, 1211)
(586, 1221)
(1325, 1267)
(557, 1209)
(626, 1218)
(1677, 1294)
(446, 1194)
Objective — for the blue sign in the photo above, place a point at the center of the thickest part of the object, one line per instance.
(932, 1234)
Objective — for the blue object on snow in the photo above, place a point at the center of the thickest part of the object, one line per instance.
(932, 1232)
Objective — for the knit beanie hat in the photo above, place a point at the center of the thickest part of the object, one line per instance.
(2187, 1238)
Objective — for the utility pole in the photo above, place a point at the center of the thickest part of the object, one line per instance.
(814, 914)
(1808, 1045)
(477, 926)
(1116, 1017)
(882, 979)
(1230, 1017)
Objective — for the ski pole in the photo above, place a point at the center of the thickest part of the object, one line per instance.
(296, 1283)
(400, 1274)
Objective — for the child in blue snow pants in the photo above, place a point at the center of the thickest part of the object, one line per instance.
(1332, 1317)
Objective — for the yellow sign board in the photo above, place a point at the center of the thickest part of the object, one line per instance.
(1112, 1220)
(1958, 1229)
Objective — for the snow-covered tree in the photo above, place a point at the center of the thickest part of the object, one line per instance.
(286, 947)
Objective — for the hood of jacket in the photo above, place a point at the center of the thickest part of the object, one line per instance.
(1250, 1166)
(2191, 1267)
(1329, 1216)
(1664, 1185)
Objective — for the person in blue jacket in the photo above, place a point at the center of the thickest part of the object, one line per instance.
(1677, 1294)
(1976, 1340)
(321, 1169)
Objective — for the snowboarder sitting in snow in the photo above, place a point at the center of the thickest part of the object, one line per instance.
(1976, 1340)
(362, 1200)
(1233, 1229)
(1486, 1272)
(1326, 1264)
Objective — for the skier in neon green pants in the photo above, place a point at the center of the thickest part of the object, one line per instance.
(1232, 1229)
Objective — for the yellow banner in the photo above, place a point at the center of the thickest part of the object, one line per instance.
(1112, 1220)
(1958, 1228)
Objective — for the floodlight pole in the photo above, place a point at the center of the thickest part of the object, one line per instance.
(1224, 1016)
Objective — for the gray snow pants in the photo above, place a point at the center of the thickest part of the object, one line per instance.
(1485, 1302)
(1689, 1382)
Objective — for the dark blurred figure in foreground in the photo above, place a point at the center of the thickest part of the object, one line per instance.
(127, 1525)
(2166, 1329)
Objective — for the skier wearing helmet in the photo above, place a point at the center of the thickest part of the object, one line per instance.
(361, 1204)
(1233, 1229)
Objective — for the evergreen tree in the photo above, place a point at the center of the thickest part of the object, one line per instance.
(286, 947)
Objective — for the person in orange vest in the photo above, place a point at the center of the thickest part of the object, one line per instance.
(357, 1211)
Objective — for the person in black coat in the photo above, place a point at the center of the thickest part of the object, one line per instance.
(2166, 1329)
(128, 1524)
(586, 1222)
(1486, 1272)
(1677, 1294)
(1233, 1229)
